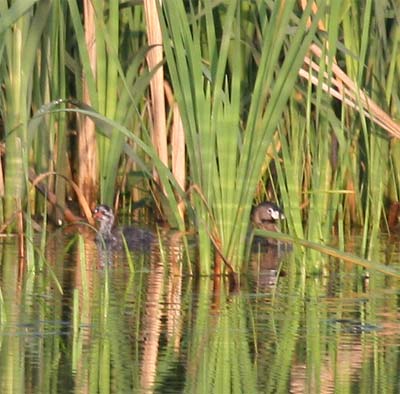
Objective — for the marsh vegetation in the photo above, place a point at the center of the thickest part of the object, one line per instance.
(226, 105)
(184, 115)
(201, 109)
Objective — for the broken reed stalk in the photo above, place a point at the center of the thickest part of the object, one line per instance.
(343, 88)
(69, 216)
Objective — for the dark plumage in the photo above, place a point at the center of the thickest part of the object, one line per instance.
(136, 238)
(265, 216)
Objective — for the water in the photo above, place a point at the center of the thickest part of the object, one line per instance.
(145, 326)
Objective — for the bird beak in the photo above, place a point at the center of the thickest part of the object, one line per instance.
(277, 215)
(97, 215)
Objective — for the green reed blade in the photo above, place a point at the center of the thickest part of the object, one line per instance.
(11, 14)
(225, 165)
(349, 257)
(21, 43)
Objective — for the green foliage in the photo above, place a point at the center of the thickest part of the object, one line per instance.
(226, 140)
(20, 36)
(119, 84)
(253, 129)
(125, 331)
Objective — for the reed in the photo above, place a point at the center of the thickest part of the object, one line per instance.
(18, 50)
(115, 84)
(291, 336)
(320, 144)
(225, 364)
(283, 330)
(329, 156)
(225, 161)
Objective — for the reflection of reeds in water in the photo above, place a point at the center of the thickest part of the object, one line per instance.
(265, 263)
(152, 325)
(344, 364)
(174, 292)
(220, 353)
(163, 300)
(110, 327)
(11, 349)
(341, 370)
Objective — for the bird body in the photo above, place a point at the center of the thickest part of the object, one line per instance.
(265, 216)
(112, 238)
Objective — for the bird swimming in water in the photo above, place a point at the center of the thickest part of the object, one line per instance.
(265, 216)
(112, 238)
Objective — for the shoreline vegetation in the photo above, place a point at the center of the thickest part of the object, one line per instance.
(197, 110)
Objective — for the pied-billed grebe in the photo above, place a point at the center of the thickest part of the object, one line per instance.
(266, 215)
(136, 238)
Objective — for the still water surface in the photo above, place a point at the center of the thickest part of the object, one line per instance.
(80, 325)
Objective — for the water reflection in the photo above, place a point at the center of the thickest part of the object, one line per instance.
(149, 327)
(266, 263)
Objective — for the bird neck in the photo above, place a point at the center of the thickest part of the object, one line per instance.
(105, 228)
(270, 226)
